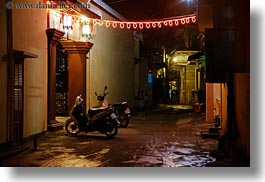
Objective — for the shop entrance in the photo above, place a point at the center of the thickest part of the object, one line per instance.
(61, 81)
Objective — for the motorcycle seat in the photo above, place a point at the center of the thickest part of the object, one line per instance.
(118, 104)
(115, 104)
(93, 111)
(98, 108)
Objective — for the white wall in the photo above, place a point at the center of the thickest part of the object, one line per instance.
(112, 64)
(29, 26)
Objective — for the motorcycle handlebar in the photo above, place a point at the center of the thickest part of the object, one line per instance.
(79, 100)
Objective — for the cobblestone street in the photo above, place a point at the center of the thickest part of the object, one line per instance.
(162, 136)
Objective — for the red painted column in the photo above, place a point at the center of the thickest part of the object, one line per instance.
(54, 37)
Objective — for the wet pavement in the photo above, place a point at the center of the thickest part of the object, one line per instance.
(163, 136)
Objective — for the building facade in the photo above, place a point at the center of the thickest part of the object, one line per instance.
(226, 27)
(51, 55)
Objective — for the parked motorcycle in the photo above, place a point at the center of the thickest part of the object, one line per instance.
(102, 119)
(122, 110)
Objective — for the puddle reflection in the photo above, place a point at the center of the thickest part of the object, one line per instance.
(176, 155)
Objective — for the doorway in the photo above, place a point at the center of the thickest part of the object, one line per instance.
(61, 81)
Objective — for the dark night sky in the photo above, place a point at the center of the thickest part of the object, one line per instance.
(149, 9)
(156, 9)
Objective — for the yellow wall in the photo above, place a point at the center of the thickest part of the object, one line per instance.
(224, 108)
(242, 106)
(213, 101)
(190, 82)
(29, 27)
(217, 98)
(112, 64)
(3, 73)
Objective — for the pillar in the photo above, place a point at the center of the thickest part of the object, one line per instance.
(54, 37)
(209, 103)
(77, 55)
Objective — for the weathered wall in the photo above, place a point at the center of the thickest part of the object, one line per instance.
(182, 93)
(209, 103)
(242, 109)
(224, 108)
(217, 98)
(112, 64)
(29, 35)
(190, 82)
(213, 101)
(3, 73)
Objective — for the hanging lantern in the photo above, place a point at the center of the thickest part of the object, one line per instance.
(67, 22)
(86, 30)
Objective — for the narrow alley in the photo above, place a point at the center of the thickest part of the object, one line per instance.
(162, 136)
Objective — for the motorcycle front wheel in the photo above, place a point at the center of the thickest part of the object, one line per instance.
(124, 120)
(71, 127)
(112, 129)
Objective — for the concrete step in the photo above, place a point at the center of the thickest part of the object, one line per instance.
(214, 130)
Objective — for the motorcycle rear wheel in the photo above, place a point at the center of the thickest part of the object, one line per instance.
(112, 129)
(71, 127)
(124, 120)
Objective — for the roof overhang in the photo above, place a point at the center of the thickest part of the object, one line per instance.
(182, 57)
(103, 6)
